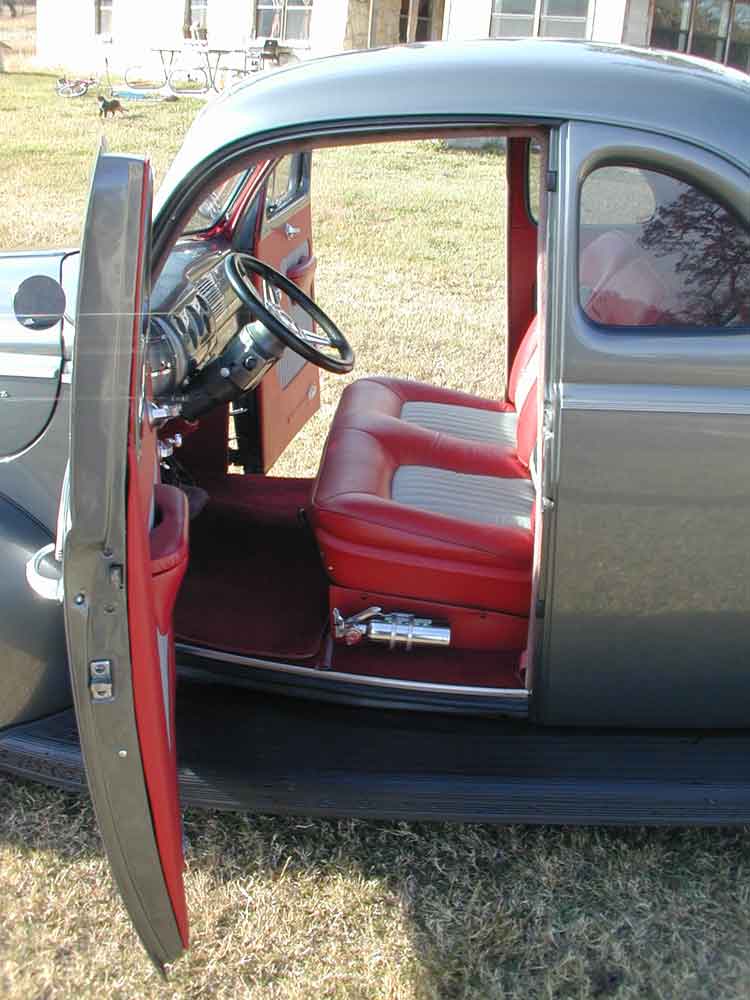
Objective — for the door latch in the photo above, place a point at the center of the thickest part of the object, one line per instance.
(100, 680)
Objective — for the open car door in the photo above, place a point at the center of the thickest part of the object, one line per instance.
(124, 555)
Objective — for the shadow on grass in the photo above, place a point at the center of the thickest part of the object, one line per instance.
(489, 911)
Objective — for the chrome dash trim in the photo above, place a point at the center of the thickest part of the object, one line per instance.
(16, 365)
(655, 398)
(521, 694)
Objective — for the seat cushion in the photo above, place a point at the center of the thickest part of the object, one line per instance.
(483, 499)
(406, 511)
(467, 422)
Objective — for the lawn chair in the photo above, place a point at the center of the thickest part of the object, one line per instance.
(270, 52)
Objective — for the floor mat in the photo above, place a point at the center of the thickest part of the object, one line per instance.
(255, 585)
(495, 669)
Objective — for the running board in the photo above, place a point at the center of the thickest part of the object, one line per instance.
(284, 755)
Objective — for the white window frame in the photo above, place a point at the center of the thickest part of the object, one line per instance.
(283, 7)
(537, 19)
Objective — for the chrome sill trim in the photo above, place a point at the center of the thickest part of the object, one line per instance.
(29, 365)
(655, 399)
(388, 682)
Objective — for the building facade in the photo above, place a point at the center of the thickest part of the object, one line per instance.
(78, 32)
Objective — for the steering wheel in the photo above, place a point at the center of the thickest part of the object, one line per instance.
(312, 345)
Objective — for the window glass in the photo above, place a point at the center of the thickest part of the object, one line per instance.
(103, 17)
(739, 48)
(532, 179)
(671, 25)
(564, 18)
(287, 20)
(280, 184)
(215, 204)
(656, 251)
(512, 18)
(197, 19)
(552, 18)
(617, 196)
(710, 29)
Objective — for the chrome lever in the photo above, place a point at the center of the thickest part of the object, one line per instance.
(353, 629)
(291, 231)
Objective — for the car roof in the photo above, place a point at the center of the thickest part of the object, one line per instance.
(529, 79)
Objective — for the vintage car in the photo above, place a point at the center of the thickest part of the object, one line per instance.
(533, 608)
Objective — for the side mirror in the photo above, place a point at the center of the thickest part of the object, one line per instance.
(39, 302)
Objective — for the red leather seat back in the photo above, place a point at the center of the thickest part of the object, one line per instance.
(634, 295)
(526, 428)
(524, 357)
(602, 257)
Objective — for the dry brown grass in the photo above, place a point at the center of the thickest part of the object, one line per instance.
(291, 909)
(19, 34)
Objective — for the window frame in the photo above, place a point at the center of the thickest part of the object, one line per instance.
(283, 7)
(733, 4)
(103, 10)
(527, 174)
(297, 191)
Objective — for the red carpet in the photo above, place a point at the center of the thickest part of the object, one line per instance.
(437, 666)
(255, 585)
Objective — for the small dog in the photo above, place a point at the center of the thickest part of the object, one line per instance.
(109, 107)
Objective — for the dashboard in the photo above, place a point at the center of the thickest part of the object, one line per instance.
(204, 348)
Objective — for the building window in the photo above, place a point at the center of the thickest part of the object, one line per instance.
(656, 251)
(423, 21)
(714, 29)
(195, 21)
(548, 18)
(287, 20)
(103, 17)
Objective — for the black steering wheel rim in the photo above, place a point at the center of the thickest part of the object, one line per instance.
(237, 264)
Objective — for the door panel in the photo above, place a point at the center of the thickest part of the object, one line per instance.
(647, 597)
(30, 359)
(124, 555)
(290, 394)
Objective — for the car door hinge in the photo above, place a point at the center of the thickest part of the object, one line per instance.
(100, 680)
(552, 180)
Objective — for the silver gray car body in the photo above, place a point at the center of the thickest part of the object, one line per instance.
(644, 598)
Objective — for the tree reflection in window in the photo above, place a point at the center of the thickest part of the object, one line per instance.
(708, 251)
(656, 251)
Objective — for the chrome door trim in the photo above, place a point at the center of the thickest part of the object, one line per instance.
(333, 675)
(15, 365)
(655, 398)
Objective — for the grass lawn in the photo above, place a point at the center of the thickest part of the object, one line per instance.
(300, 908)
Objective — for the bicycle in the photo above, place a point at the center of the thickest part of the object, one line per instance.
(66, 87)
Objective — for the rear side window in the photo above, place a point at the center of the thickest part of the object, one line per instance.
(656, 251)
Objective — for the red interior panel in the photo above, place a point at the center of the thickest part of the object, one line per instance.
(149, 608)
(284, 407)
(470, 628)
(521, 249)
